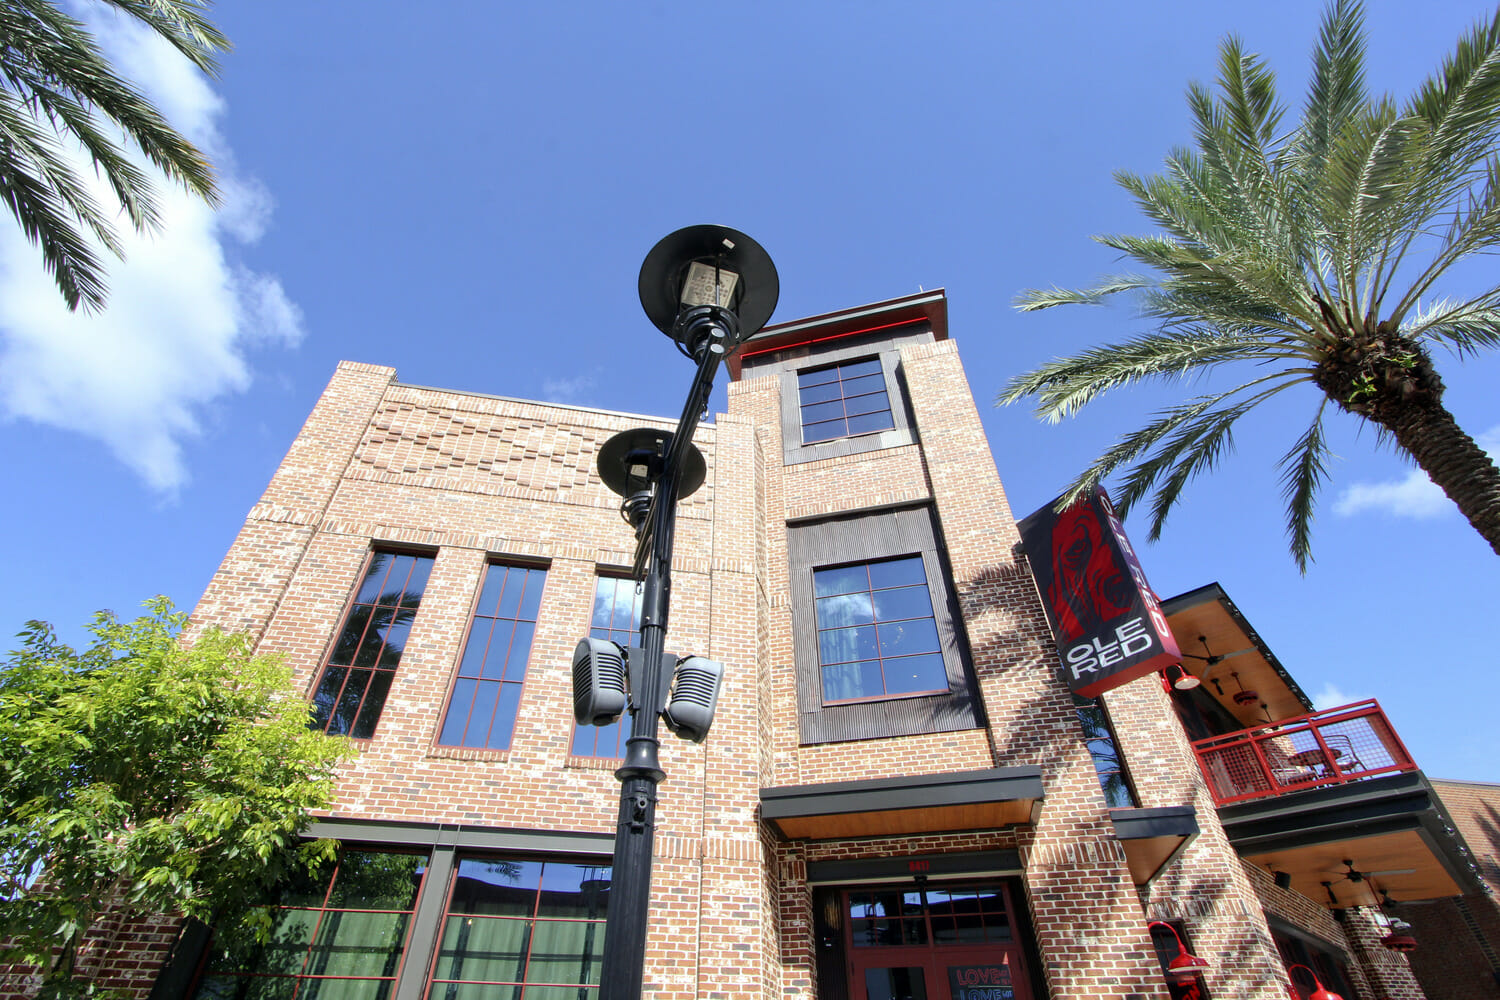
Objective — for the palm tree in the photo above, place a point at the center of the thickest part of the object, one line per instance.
(1312, 253)
(59, 94)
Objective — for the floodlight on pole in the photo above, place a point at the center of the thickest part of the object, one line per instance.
(708, 288)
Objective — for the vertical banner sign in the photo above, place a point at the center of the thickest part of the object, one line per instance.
(1105, 617)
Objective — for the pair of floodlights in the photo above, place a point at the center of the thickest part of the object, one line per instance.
(707, 288)
(606, 674)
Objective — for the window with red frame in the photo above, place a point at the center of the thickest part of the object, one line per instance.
(877, 637)
(338, 935)
(487, 691)
(517, 926)
(617, 617)
(351, 692)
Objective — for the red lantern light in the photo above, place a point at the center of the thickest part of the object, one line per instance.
(1185, 966)
(1319, 991)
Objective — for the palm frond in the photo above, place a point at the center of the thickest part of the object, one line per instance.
(1033, 299)
(1336, 93)
(1304, 471)
(1063, 385)
(1466, 327)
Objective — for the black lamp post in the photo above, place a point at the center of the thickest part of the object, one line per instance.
(708, 288)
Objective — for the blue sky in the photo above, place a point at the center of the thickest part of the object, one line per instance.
(465, 192)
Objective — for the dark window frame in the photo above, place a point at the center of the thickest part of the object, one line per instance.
(443, 844)
(456, 677)
(376, 670)
(868, 536)
(843, 380)
(1104, 723)
(787, 364)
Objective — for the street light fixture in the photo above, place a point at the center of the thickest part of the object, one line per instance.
(708, 288)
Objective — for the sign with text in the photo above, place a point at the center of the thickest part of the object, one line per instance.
(1105, 617)
(990, 981)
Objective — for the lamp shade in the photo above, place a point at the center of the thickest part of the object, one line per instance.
(630, 461)
(665, 272)
(1185, 965)
(1320, 992)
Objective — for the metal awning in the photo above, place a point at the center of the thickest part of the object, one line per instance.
(920, 803)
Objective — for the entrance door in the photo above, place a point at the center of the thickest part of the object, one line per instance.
(945, 941)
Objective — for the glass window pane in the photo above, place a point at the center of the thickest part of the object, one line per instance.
(358, 944)
(819, 393)
(840, 580)
(494, 662)
(348, 703)
(565, 951)
(915, 673)
(483, 949)
(369, 647)
(579, 891)
(844, 610)
(416, 583)
(825, 431)
(819, 412)
(901, 572)
(531, 600)
(326, 695)
(510, 597)
(395, 640)
(376, 880)
(495, 886)
(457, 719)
(504, 721)
(489, 594)
(349, 638)
(842, 682)
(869, 423)
(841, 645)
(474, 649)
(482, 714)
(906, 638)
(863, 385)
(818, 376)
(520, 651)
(374, 701)
(903, 603)
(369, 588)
(855, 369)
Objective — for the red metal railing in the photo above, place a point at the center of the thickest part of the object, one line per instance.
(1333, 747)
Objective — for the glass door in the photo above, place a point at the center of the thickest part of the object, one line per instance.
(948, 941)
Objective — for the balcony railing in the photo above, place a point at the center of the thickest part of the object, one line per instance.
(1332, 747)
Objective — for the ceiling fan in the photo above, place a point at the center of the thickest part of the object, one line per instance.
(1214, 659)
(1355, 875)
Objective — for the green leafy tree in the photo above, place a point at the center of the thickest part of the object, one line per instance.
(1308, 254)
(59, 95)
(152, 774)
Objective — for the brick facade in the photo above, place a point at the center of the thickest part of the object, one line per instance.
(470, 479)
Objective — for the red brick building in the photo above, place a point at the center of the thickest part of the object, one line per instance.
(899, 797)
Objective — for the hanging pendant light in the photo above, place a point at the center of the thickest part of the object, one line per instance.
(1243, 697)
(1179, 678)
(1186, 965)
(1320, 992)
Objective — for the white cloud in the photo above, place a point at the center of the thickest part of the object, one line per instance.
(181, 315)
(573, 390)
(1332, 697)
(1413, 495)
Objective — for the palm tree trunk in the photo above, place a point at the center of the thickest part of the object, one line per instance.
(1454, 462)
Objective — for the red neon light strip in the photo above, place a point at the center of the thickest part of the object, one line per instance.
(833, 336)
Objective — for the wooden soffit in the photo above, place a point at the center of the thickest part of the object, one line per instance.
(910, 804)
(1153, 838)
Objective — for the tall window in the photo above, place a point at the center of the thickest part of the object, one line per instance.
(617, 616)
(513, 924)
(843, 400)
(487, 692)
(341, 935)
(1108, 764)
(876, 634)
(351, 693)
